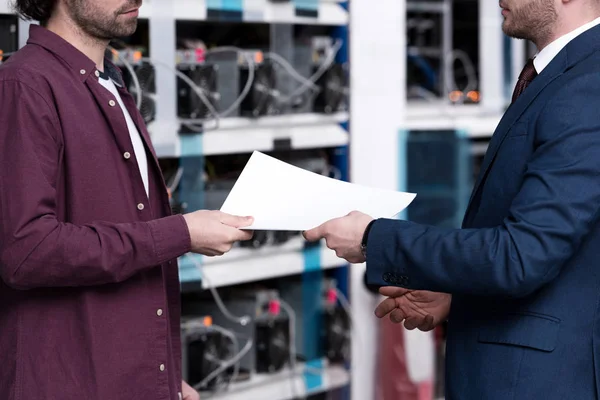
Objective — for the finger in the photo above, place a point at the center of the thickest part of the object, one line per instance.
(385, 307)
(236, 221)
(314, 234)
(412, 322)
(428, 324)
(391, 291)
(397, 316)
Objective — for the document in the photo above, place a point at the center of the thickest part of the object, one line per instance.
(283, 197)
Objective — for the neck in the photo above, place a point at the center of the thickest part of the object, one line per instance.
(92, 47)
(567, 23)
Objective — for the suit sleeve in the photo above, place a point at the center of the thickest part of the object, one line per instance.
(553, 212)
(36, 249)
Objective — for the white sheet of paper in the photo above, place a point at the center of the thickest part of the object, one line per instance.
(283, 197)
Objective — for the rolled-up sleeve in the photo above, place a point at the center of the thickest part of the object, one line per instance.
(38, 250)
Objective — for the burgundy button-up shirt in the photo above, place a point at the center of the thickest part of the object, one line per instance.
(89, 295)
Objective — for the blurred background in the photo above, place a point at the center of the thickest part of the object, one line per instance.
(394, 94)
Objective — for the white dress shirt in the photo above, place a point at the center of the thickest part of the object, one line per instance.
(544, 57)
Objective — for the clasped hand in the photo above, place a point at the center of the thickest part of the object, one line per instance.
(418, 309)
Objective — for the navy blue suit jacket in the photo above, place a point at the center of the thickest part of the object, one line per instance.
(524, 270)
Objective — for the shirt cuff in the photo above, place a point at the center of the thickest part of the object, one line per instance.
(171, 238)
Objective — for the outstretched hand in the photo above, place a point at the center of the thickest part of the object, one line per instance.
(343, 235)
(416, 308)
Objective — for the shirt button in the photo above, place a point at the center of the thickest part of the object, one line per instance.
(112, 103)
(159, 312)
(82, 72)
(162, 367)
(140, 206)
(97, 74)
(127, 155)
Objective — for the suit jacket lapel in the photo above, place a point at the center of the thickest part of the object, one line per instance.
(577, 50)
(551, 72)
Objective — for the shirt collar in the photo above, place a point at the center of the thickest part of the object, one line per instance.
(544, 57)
(80, 64)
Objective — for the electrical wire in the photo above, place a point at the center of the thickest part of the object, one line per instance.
(236, 349)
(232, 361)
(224, 364)
(306, 83)
(472, 81)
(345, 303)
(197, 90)
(244, 320)
(191, 123)
(292, 347)
(290, 69)
(174, 184)
(249, 81)
(313, 79)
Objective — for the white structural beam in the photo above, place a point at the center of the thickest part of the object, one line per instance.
(378, 99)
(24, 31)
(491, 56)
(518, 56)
(5, 7)
(162, 47)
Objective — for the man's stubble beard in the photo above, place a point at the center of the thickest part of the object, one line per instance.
(534, 22)
(96, 24)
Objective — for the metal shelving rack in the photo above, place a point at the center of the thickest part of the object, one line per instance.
(441, 47)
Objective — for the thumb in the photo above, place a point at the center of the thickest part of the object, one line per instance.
(392, 291)
(314, 234)
(236, 221)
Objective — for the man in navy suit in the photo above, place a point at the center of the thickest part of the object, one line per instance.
(524, 270)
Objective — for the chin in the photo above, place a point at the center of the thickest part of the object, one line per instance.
(512, 32)
(126, 31)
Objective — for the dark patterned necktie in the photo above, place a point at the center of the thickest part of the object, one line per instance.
(527, 75)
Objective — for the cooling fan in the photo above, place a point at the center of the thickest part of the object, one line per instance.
(337, 335)
(272, 344)
(206, 351)
(190, 105)
(262, 99)
(333, 85)
(146, 77)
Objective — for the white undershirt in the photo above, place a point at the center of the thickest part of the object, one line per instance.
(136, 139)
(544, 57)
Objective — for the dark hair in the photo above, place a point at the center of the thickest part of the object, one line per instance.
(37, 10)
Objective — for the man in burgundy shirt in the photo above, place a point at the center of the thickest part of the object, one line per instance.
(88, 247)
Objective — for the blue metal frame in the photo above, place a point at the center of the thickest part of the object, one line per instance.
(342, 161)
